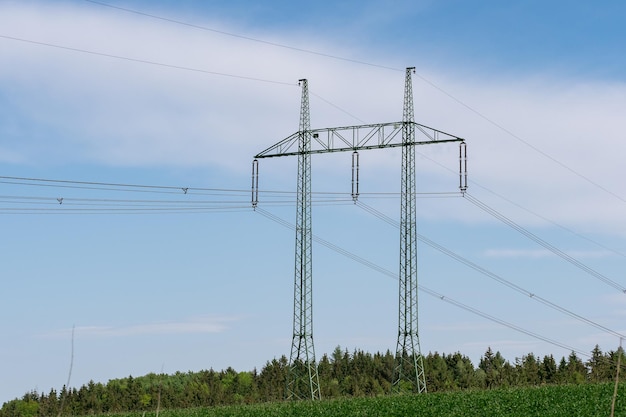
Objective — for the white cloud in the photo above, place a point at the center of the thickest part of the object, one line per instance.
(69, 107)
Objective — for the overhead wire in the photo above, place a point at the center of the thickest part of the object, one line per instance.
(601, 277)
(590, 271)
(217, 199)
(140, 188)
(27, 204)
(286, 224)
(578, 264)
(539, 216)
(423, 78)
(428, 291)
(244, 37)
(490, 274)
(525, 142)
(112, 184)
(69, 208)
(126, 212)
(222, 196)
(560, 226)
(292, 84)
(502, 322)
(171, 66)
(420, 76)
(145, 61)
(336, 107)
(75, 200)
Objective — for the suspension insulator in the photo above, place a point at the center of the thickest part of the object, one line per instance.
(355, 176)
(463, 167)
(255, 183)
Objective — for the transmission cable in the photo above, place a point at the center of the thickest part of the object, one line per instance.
(428, 291)
(179, 67)
(488, 273)
(423, 78)
(272, 195)
(112, 184)
(144, 61)
(560, 226)
(426, 80)
(247, 38)
(119, 211)
(508, 200)
(222, 201)
(519, 139)
(545, 244)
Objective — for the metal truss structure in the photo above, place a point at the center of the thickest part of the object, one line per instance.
(303, 379)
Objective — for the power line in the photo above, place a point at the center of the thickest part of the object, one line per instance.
(124, 211)
(502, 322)
(490, 274)
(508, 200)
(90, 208)
(428, 291)
(573, 232)
(545, 244)
(222, 201)
(423, 78)
(248, 38)
(75, 200)
(525, 142)
(560, 253)
(337, 107)
(136, 206)
(172, 66)
(244, 37)
(118, 185)
(144, 61)
(187, 191)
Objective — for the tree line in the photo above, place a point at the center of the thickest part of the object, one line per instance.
(341, 374)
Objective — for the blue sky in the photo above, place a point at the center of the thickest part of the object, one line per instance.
(537, 89)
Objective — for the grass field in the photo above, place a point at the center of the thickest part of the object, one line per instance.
(588, 400)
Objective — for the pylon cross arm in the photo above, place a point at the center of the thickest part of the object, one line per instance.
(356, 138)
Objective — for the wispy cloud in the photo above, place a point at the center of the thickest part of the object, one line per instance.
(112, 112)
(192, 325)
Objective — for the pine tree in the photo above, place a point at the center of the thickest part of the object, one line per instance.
(548, 370)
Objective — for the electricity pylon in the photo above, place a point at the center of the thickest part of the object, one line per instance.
(409, 363)
(303, 379)
(409, 370)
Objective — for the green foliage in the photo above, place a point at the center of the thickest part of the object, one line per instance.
(28, 406)
(342, 375)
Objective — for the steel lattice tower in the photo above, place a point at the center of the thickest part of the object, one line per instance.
(409, 364)
(303, 380)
